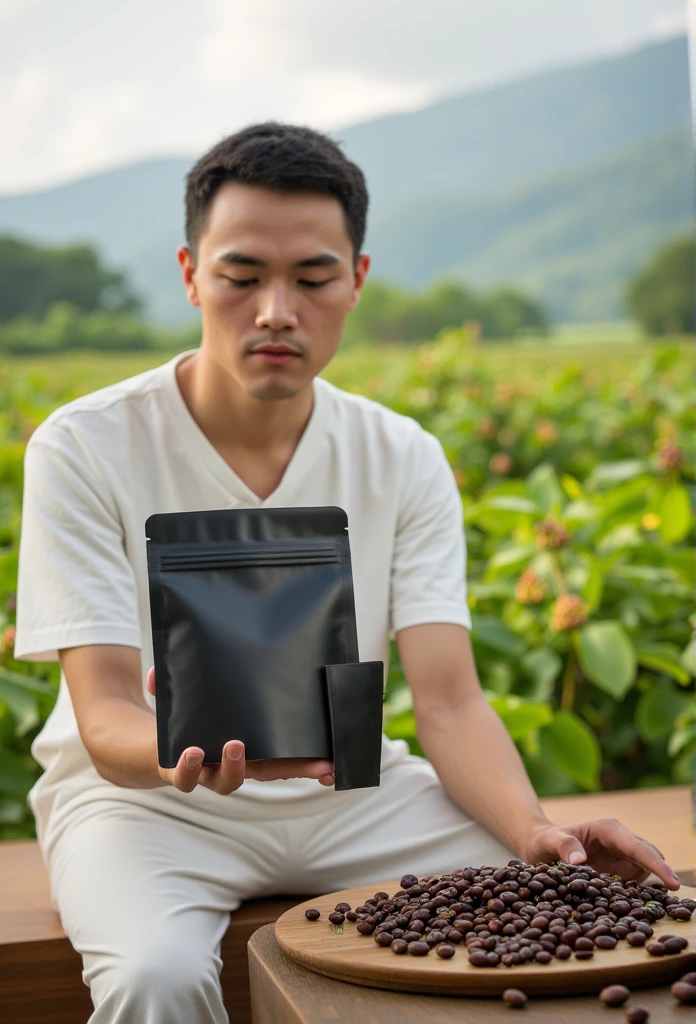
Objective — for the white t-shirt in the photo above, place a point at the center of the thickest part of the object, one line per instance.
(99, 466)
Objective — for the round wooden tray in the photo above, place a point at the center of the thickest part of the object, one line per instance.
(349, 956)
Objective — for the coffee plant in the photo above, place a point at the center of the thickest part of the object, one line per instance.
(578, 490)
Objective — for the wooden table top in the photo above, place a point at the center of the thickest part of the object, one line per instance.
(282, 992)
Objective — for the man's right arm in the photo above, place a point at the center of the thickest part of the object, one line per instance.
(119, 730)
(117, 726)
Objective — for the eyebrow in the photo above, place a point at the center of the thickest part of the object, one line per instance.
(323, 259)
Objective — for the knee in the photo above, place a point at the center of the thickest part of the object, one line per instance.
(158, 973)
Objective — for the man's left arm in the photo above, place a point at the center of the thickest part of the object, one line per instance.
(482, 772)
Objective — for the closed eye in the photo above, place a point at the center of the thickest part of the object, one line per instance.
(245, 282)
(241, 282)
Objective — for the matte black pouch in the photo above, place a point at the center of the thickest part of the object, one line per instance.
(254, 637)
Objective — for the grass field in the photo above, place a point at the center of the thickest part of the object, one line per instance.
(606, 349)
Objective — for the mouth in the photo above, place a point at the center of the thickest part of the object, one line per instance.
(276, 355)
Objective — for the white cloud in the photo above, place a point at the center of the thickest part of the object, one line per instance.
(85, 85)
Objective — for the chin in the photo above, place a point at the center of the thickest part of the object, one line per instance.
(273, 390)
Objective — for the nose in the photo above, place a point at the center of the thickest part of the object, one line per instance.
(275, 311)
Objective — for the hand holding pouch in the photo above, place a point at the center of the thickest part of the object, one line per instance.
(254, 637)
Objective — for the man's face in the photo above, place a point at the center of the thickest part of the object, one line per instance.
(275, 272)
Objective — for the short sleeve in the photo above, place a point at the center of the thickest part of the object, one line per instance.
(428, 581)
(75, 585)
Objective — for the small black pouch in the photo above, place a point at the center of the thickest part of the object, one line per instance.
(254, 637)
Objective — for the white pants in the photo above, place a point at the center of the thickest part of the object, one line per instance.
(144, 895)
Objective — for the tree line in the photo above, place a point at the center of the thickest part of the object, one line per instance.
(53, 299)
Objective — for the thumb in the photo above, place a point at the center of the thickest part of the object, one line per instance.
(151, 681)
(571, 849)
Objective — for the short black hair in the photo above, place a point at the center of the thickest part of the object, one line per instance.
(281, 157)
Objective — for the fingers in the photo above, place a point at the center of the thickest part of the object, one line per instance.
(229, 775)
(151, 681)
(224, 778)
(612, 833)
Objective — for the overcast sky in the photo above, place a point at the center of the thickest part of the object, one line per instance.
(86, 85)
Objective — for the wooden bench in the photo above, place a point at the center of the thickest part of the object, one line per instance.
(41, 974)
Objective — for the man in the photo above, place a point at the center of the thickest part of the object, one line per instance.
(146, 863)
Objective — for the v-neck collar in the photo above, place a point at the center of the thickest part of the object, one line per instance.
(204, 452)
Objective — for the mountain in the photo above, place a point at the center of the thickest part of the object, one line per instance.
(561, 183)
(497, 138)
(571, 240)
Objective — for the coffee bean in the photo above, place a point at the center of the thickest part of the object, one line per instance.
(563, 952)
(636, 939)
(684, 992)
(408, 881)
(418, 948)
(515, 998)
(637, 1015)
(583, 943)
(336, 918)
(614, 995)
(680, 914)
(656, 949)
(478, 958)
(605, 942)
(399, 946)
(343, 908)
(689, 978)
(445, 951)
(313, 914)
(543, 957)
(675, 944)
(584, 954)
(365, 928)
(384, 939)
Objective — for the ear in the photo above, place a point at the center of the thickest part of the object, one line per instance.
(188, 268)
(362, 266)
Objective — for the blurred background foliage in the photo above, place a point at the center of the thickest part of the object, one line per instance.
(578, 487)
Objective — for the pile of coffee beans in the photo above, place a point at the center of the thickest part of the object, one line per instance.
(518, 913)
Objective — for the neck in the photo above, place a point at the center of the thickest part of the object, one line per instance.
(232, 419)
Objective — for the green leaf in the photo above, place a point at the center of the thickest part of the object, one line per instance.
(607, 656)
(544, 667)
(520, 718)
(26, 682)
(510, 558)
(593, 587)
(675, 515)
(488, 630)
(665, 658)
(15, 777)
(22, 703)
(575, 748)
(680, 738)
(607, 474)
(572, 487)
(402, 726)
(657, 711)
(688, 657)
(511, 503)
(545, 489)
(11, 812)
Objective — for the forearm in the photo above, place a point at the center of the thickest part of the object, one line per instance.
(480, 768)
(123, 746)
